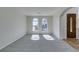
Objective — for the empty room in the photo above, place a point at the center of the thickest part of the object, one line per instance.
(39, 29)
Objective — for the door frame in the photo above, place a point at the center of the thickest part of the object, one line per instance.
(71, 34)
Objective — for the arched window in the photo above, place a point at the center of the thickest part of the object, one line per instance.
(44, 24)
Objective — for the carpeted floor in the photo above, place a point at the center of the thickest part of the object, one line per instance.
(25, 44)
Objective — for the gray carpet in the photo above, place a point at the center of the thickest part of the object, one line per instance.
(25, 44)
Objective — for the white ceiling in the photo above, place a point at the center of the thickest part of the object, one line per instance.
(41, 11)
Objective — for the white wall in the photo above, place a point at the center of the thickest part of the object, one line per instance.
(12, 26)
(63, 21)
(56, 26)
(56, 22)
(29, 22)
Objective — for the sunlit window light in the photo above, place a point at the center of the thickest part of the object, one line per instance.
(35, 25)
(44, 25)
(48, 37)
(35, 37)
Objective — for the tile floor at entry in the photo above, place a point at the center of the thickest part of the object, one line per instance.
(26, 44)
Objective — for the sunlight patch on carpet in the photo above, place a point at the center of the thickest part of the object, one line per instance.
(35, 37)
(48, 37)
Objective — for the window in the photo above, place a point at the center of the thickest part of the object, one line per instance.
(71, 24)
(35, 25)
(39, 25)
(44, 24)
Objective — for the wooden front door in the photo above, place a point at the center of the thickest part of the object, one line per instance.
(71, 25)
